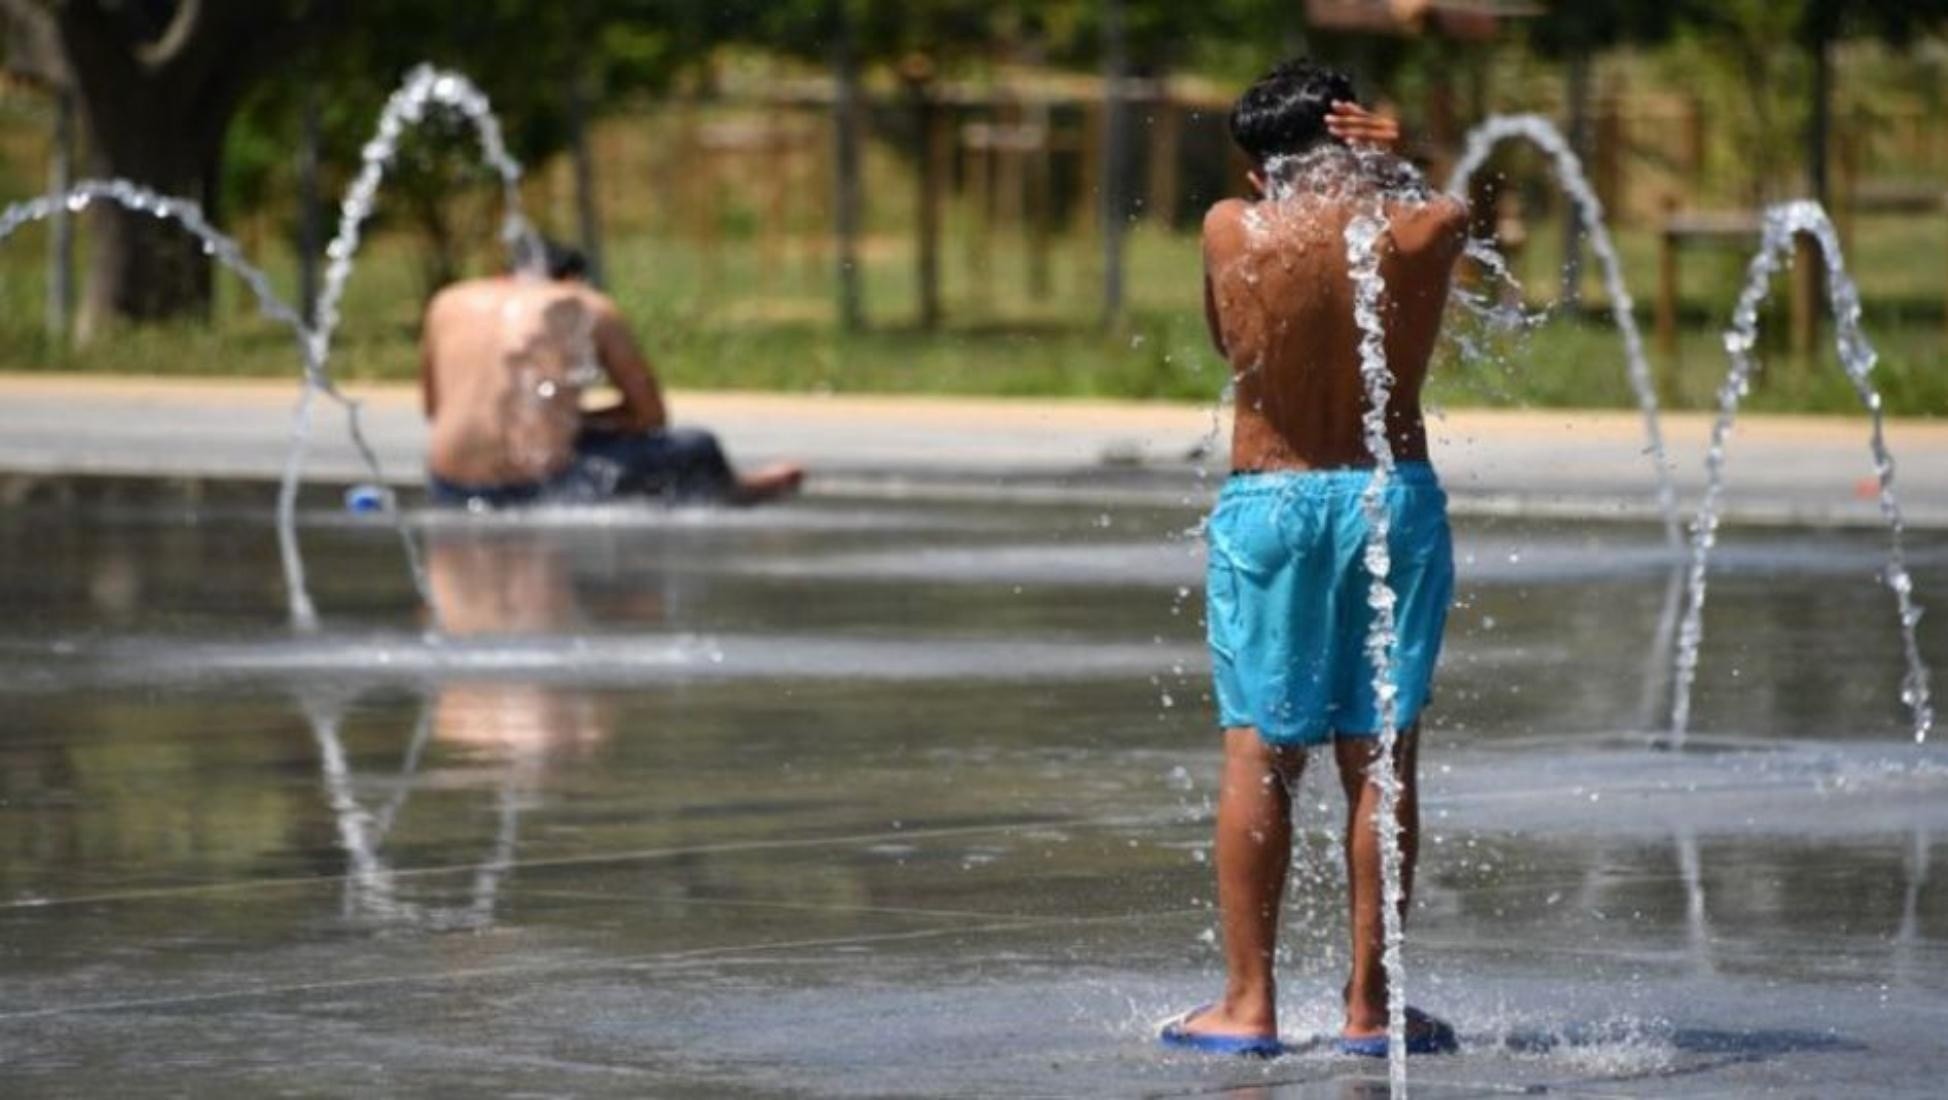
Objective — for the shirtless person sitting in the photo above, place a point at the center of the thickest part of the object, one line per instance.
(1288, 584)
(504, 363)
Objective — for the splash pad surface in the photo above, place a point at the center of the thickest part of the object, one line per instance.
(863, 797)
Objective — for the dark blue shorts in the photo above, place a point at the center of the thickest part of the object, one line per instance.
(676, 465)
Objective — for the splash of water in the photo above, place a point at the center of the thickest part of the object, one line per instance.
(1544, 135)
(1783, 223)
(225, 251)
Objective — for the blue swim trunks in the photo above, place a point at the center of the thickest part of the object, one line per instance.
(1287, 600)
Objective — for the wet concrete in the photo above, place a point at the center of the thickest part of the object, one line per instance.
(882, 799)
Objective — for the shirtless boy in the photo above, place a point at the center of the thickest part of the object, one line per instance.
(504, 364)
(1287, 596)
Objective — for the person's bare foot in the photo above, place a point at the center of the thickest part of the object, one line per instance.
(770, 483)
(1226, 1020)
(1366, 1015)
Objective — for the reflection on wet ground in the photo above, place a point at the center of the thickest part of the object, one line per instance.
(913, 798)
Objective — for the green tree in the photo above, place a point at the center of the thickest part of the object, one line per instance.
(567, 62)
(1784, 46)
(920, 39)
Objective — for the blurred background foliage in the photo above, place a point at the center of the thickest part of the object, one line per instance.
(709, 133)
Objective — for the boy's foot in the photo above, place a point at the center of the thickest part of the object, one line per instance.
(770, 483)
(1425, 1035)
(1206, 1031)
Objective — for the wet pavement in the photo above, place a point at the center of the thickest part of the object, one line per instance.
(871, 798)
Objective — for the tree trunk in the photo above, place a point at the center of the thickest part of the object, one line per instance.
(588, 213)
(141, 268)
(156, 87)
(310, 211)
(60, 248)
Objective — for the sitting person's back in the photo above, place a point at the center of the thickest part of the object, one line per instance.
(505, 363)
(502, 384)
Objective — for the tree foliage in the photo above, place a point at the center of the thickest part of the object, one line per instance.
(157, 82)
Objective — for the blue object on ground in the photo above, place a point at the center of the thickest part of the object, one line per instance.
(365, 499)
(1425, 1035)
(1173, 1035)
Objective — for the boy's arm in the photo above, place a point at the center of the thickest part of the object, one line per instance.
(1437, 228)
(1219, 231)
(429, 397)
(641, 408)
(1355, 125)
(1211, 316)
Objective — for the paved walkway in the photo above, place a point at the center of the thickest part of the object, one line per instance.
(1577, 463)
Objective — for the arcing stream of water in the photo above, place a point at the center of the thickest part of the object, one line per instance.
(424, 87)
(229, 254)
(1539, 131)
(1783, 223)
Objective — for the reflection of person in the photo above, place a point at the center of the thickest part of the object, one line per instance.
(504, 363)
(491, 584)
(1287, 598)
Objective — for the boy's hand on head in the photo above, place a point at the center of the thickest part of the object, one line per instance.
(1355, 125)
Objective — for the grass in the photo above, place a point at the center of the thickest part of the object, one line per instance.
(748, 317)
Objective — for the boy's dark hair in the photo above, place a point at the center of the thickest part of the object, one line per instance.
(1284, 113)
(563, 261)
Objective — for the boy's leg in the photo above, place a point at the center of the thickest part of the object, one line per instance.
(1366, 991)
(1254, 852)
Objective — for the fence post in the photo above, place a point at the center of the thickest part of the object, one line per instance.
(1667, 292)
(845, 171)
(1115, 72)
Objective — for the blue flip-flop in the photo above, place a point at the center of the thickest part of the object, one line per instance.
(1173, 1035)
(1435, 1036)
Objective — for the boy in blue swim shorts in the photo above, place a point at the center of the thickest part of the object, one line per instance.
(1288, 586)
